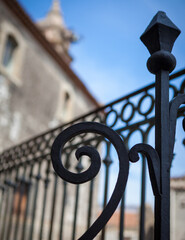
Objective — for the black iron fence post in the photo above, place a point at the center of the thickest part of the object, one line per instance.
(159, 38)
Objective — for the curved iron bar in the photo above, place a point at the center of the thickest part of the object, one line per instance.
(114, 138)
(153, 164)
(174, 106)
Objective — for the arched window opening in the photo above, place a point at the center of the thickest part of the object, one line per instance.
(9, 53)
(66, 104)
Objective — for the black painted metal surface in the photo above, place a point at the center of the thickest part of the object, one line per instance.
(31, 194)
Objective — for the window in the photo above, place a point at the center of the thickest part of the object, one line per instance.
(183, 203)
(9, 53)
(64, 109)
(66, 105)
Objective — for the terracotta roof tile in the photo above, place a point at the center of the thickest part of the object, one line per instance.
(131, 220)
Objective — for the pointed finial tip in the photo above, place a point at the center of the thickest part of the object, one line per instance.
(162, 13)
(160, 34)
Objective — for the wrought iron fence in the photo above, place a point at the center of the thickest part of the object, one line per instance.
(35, 203)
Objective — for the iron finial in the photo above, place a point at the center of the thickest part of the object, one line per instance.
(159, 38)
(160, 34)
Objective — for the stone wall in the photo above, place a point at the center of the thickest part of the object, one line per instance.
(177, 210)
(35, 88)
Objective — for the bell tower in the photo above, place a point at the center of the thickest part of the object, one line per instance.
(55, 31)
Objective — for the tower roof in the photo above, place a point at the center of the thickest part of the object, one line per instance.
(54, 17)
(55, 31)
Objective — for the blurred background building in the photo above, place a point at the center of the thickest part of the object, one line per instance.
(38, 89)
(177, 208)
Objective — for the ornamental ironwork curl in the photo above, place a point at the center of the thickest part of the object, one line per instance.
(174, 106)
(129, 118)
(182, 87)
(153, 163)
(150, 106)
(91, 172)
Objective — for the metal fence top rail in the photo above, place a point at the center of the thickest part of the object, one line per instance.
(172, 77)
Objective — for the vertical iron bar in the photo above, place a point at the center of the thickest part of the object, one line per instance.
(63, 210)
(21, 193)
(46, 183)
(10, 185)
(75, 212)
(15, 190)
(107, 161)
(2, 198)
(143, 196)
(27, 202)
(122, 208)
(162, 206)
(79, 168)
(53, 206)
(105, 197)
(122, 218)
(5, 215)
(5, 210)
(90, 203)
(11, 213)
(38, 177)
(89, 216)
(67, 165)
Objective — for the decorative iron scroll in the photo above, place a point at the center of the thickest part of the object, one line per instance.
(153, 164)
(114, 138)
(174, 107)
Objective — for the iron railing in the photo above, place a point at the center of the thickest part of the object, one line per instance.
(36, 204)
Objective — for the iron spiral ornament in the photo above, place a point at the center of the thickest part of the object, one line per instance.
(153, 163)
(91, 172)
(175, 103)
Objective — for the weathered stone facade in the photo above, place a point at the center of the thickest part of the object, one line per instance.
(177, 208)
(38, 90)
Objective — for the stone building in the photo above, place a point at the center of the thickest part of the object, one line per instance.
(55, 31)
(177, 208)
(38, 89)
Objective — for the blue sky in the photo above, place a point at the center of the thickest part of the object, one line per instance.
(110, 58)
(110, 52)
